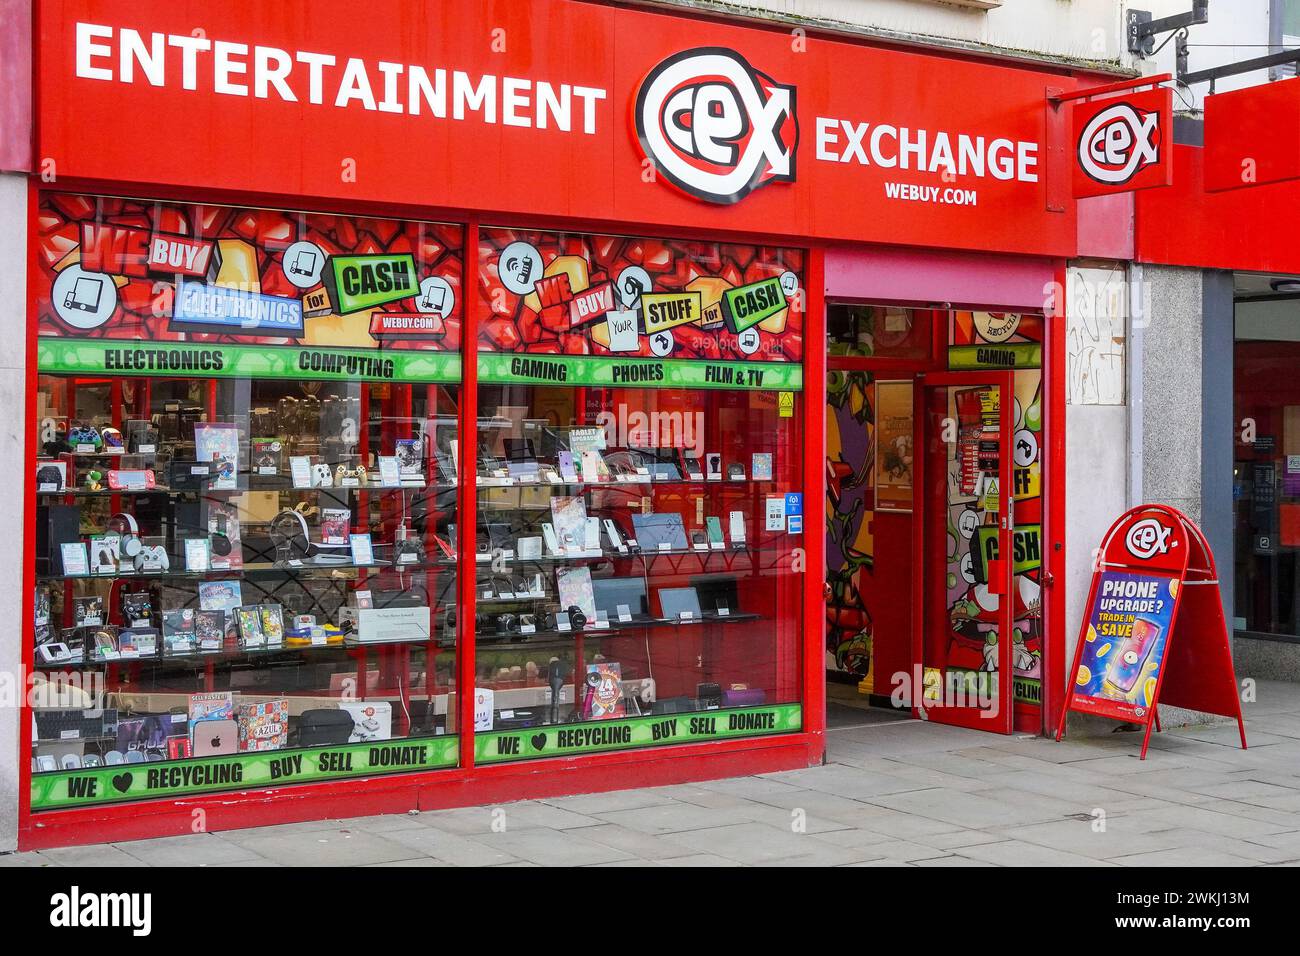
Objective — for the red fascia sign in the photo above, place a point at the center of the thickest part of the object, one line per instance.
(1153, 629)
(525, 108)
(1123, 143)
(1252, 136)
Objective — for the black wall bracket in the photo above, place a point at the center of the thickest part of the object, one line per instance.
(1141, 30)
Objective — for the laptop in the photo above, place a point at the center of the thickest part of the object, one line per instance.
(655, 529)
(609, 593)
(717, 592)
(674, 602)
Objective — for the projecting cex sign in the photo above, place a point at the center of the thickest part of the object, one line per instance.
(1123, 143)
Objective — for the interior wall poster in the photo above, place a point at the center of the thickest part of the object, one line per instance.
(894, 451)
(223, 290)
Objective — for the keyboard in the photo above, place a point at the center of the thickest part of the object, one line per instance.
(75, 724)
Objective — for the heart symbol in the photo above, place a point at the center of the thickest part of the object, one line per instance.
(122, 782)
(538, 741)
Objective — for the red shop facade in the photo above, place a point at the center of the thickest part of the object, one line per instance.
(465, 403)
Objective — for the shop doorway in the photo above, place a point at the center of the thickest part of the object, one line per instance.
(933, 496)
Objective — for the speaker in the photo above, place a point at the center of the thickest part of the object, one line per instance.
(56, 525)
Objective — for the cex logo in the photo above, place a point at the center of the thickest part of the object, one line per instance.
(716, 127)
(1147, 538)
(1118, 143)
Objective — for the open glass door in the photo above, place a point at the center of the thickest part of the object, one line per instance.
(962, 620)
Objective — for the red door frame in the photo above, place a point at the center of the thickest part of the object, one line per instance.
(1052, 463)
(923, 523)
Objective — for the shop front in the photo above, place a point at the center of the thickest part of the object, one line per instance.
(435, 407)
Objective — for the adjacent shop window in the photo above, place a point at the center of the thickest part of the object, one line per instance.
(246, 498)
(1266, 469)
(638, 459)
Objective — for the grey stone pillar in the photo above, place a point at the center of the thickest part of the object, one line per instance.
(13, 478)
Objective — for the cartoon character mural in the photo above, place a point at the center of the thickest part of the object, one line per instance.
(850, 467)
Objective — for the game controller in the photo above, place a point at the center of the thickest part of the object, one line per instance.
(154, 557)
(321, 476)
(79, 435)
(343, 472)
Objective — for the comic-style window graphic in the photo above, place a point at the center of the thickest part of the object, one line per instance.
(174, 272)
(582, 295)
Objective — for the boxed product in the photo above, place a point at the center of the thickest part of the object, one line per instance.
(371, 720)
(379, 625)
(264, 725)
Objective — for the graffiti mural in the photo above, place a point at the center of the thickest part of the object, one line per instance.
(850, 499)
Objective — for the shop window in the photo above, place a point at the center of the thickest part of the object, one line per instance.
(1266, 469)
(246, 499)
(639, 574)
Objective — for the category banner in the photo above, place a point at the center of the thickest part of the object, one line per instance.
(115, 357)
(561, 108)
(637, 373)
(597, 735)
(246, 771)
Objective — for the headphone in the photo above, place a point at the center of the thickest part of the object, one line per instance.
(219, 539)
(289, 528)
(124, 524)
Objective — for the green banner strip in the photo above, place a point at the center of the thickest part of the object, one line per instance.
(1018, 355)
(597, 735)
(503, 368)
(132, 357)
(267, 768)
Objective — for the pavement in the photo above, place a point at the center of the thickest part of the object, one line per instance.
(905, 793)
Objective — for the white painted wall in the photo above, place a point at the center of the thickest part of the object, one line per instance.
(1096, 426)
(1075, 29)
(13, 398)
(1237, 30)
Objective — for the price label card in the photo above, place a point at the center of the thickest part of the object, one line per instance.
(665, 546)
(775, 514)
(562, 622)
(724, 611)
(362, 550)
(527, 629)
(624, 613)
(300, 471)
(686, 616)
(197, 554)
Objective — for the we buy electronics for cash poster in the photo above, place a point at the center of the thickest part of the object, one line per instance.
(1124, 647)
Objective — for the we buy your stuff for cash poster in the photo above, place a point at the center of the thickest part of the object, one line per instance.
(1124, 647)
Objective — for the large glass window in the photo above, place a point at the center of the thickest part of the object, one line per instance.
(639, 575)
(246, 517)
(1266, 465)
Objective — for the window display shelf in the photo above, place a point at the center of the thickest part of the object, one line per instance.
(230, 655)
(160, 492)
(251, 571)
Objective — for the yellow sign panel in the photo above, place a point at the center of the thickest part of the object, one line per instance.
(664, 310)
